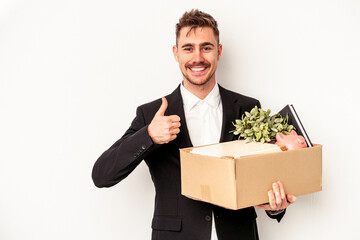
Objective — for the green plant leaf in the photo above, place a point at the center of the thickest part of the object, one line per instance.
(256, 129)
(278, 120)
(258, 136)
(252, 112)
(274, 130)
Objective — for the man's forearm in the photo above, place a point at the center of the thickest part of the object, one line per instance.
(122, 157)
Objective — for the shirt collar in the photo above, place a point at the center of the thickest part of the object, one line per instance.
(190, 100)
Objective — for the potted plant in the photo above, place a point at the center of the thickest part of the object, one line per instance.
(258, 125)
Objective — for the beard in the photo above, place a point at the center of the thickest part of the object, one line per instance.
(194, 82)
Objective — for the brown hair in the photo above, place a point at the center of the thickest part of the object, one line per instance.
(195, 19)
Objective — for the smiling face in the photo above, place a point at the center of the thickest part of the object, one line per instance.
(197, 52)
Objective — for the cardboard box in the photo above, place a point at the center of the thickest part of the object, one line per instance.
(239, 182)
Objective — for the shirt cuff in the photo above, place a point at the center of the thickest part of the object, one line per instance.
(274, 213)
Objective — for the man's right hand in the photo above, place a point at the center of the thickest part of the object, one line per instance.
(164, 129)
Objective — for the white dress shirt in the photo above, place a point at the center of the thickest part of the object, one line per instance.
(204, 121)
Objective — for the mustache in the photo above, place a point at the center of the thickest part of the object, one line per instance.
(198, 64)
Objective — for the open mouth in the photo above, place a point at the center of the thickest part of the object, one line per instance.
(198, 69)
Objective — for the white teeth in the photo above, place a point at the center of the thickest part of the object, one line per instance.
(197, 69)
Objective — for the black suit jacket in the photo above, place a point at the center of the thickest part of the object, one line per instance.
(176, 217)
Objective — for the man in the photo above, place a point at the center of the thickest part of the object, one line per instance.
(198, 112)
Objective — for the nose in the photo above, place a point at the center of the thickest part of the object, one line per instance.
(198, 57)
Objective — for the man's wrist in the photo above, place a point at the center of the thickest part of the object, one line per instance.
(276, 212)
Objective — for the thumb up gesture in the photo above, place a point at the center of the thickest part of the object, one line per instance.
(163, 129)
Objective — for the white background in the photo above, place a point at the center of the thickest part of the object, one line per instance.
(72, 73)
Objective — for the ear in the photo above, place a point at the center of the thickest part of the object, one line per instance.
(279, 137)
(293, 132)
(175, 52)
(219, 51)
(301, 140)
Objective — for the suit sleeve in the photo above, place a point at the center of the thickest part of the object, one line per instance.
(125, 155)
(278, 217)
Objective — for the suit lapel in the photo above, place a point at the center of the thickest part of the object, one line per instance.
(231, 110)
(176, 107)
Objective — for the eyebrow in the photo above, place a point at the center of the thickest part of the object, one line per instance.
(201, 44)
(206, 44)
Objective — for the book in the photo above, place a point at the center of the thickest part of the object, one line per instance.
(295, 121)
(235, 149)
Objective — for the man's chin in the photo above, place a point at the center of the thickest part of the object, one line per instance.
(198, 82)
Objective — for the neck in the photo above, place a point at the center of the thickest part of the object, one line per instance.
(201, 91)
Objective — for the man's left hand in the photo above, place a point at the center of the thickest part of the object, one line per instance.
(278, 200)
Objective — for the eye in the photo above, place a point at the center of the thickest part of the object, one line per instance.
(206, 49)
(187, 49)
